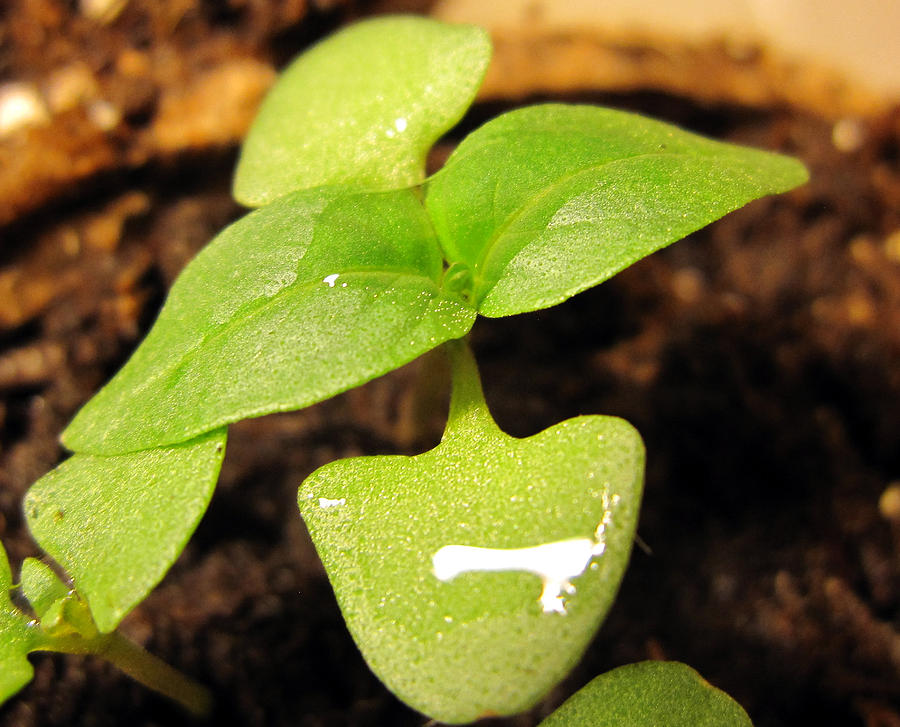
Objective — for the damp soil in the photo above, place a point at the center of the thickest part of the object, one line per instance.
(759, 358)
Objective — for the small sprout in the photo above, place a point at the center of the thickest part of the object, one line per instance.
(355, 264)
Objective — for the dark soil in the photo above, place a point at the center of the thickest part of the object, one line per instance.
(760, 359)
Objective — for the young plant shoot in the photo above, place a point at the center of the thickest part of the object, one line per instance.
(472, 576)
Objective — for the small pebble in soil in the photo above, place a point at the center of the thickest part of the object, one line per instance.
(889, 502)
(21, 105)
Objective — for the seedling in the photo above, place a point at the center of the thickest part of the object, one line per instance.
(474, 575)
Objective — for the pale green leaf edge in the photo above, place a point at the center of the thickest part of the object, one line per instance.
(18, 637)
(41, 586)
(362, 107)
(649, 694)
(103, 519)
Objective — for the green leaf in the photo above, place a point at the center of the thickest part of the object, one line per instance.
(546, 201)
(17, 638)
(42, 587)
(58, 608)
(116, 524)
(481, 642)
(362, 107)
(649, 694)
(298, 301)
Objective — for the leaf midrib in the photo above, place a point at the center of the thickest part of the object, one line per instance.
(532, 202)
(171, 368)
(264, 302)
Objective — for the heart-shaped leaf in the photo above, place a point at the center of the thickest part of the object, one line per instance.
(298, 301)
(17, 638)
(473, 576)
(116, 524)
(363, 107)
(649, 694)
(546, 201)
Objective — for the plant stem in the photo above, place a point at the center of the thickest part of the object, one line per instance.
(141, 666)
(156, 674)
(469, 414)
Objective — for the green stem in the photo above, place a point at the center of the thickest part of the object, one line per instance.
(469, 414)
(141, 666)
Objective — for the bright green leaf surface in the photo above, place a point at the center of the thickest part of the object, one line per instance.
(649, 694)
(546, 201)
(363, 107)
(296, 302)
(117, 523)
(58, 608)
(17, 638)
(481, 642)
(41, 586)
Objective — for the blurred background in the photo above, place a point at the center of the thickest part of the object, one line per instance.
(760, 358)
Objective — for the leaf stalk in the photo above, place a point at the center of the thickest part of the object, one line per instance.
(140, 665)
(469, 415)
